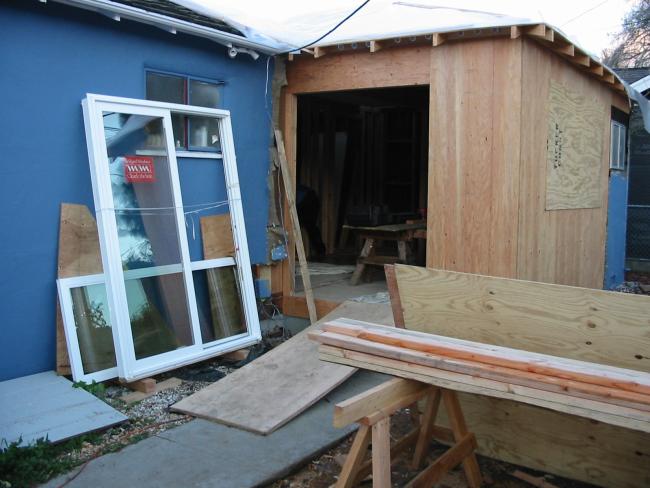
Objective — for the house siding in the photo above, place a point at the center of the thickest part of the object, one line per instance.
(51, 55)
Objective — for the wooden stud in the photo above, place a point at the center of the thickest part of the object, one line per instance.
(295, 223)
(381, 454)
(145, 385)
(581, 59)
(461, 434)
(375, 46)
(437, 39)
(550, 35)
(609, 77)
(567, 49)
(319, 52)
(597, 69)
(515, 32)
(538, 31)
(290, 56)
(400, 446)
(355, 458)
(426, 427)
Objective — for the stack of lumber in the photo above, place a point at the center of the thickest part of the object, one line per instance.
(621, 396)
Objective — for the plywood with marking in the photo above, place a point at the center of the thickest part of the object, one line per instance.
(574, 149)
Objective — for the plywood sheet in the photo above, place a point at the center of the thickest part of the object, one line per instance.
(45, 404)
(574, 149)
(216, 232)
(592, 325)
(79, 255)
(571, 322)
(270, 391)
(473, 195)
(568, 246)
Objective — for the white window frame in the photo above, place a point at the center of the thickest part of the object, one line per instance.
(617, 146)
(128, 367)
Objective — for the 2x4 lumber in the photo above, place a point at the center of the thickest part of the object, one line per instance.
(399, 404)
(398, 447)
(354, 459)
(515, 31)
(541, 382)
(368, 402)
(145, 385)
(375, 46)
(381, 454)
(609, 77)
(597, 69)
(437, 39)
(295, 223)
(537, 31)
(599, 411)
(427, 424)
(581, 58)
(566, 49)
(592, 373)
(319, 52)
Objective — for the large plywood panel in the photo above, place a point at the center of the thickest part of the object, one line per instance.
(391, 67)
(571, 322)
(475, 107)
(593, 325)
(566, 246)
(574, 149)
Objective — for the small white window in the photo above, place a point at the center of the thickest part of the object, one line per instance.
(618, 145)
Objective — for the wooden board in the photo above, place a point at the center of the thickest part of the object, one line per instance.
(568, 246)
(553, 442)
(574, 149)
(45, 404)
(216, 233)
(474, 156)
(270, 391)
(570, 322)
(78, 255)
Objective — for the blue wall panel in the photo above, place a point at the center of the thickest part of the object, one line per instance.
(616, 229)
(50, 56)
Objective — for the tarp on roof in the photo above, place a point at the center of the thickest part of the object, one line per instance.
(285, 28)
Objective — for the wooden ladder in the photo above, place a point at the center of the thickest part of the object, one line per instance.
(372, 411)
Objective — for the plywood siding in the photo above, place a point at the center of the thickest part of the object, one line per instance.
(474, 156)
(557, 246)
(345, 71)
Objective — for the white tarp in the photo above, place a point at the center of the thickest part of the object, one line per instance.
(289, 25)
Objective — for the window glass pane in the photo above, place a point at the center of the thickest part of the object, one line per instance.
(166, 88)
(160, 320)
(142, 190)
(614, 153)
(204, 132)
(219, 303)
(171, 89)
(94, 332)
(621, 147)
(204, 94)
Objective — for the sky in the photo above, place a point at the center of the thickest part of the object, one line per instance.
(589, 22)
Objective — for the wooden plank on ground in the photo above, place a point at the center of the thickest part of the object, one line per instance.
(268, 392)
(78, 255)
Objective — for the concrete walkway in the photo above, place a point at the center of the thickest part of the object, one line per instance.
(206, 454)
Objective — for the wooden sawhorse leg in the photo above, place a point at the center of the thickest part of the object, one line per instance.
(367, 251)
(375, 427)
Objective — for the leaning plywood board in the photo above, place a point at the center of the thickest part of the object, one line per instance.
(574, 149)
(270, 391)
(589, 325)
(79, 255)
(216, 232)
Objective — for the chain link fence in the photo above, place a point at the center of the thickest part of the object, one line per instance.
(638, 232)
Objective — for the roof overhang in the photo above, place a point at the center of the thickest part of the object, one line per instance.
(117, 11)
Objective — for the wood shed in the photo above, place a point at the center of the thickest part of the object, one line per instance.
(501, 136)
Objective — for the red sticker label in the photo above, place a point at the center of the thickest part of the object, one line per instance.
(139, 169)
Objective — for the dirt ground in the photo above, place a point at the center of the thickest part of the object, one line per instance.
(323, 472)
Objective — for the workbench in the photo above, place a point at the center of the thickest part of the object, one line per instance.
(402, 234)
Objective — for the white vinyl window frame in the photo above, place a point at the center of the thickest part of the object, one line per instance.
(128, 367)
(618, 145)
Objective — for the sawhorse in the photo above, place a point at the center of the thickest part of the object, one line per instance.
(372, 410)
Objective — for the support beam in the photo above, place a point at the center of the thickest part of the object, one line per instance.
(537, 31)
(437, 39)
(515, 32)
(319, 52)
(567, 50)
(375, 46)
(597, 69)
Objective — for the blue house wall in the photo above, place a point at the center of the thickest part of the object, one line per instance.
(51, 55)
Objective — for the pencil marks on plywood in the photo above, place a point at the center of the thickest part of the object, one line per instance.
(574, 150)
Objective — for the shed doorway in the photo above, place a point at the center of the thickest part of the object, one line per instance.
(361, 163)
